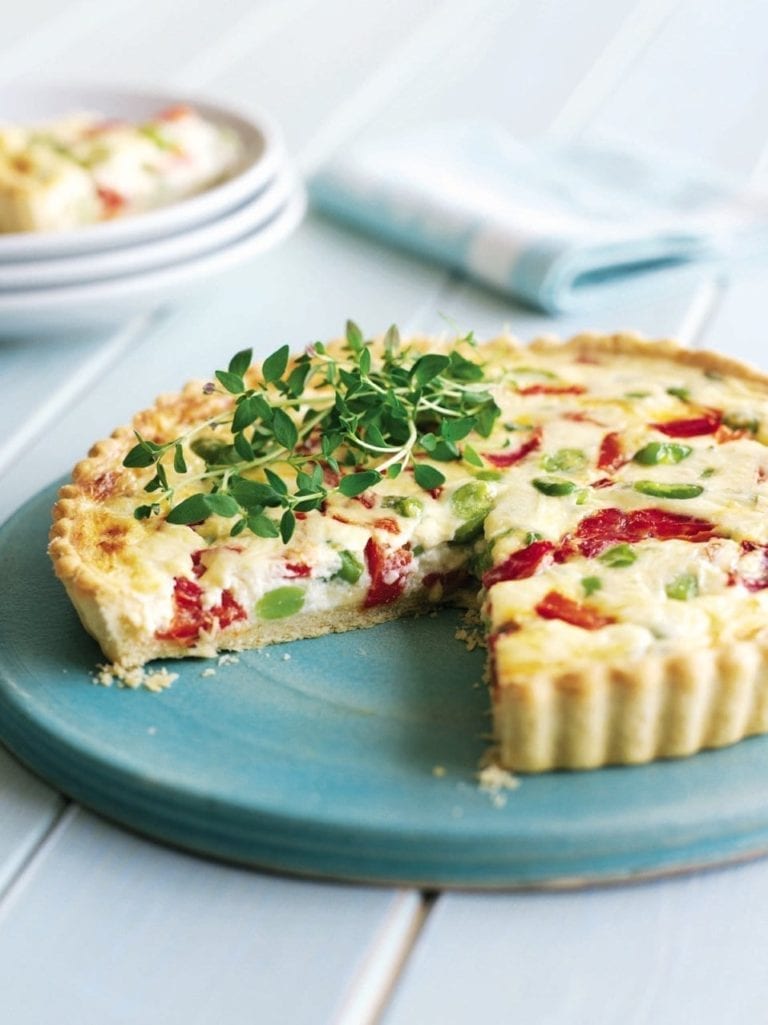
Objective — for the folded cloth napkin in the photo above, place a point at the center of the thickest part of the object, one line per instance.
(557, 225)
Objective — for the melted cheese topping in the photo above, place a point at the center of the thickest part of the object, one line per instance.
(662, 594)
(575, 439)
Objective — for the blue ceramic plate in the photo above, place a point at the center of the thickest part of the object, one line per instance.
(319, 757)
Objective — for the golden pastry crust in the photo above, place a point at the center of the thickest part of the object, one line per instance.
(646, 702)
(664, 705)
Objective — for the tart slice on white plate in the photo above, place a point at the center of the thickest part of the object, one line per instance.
(603, 502)
(88, 168)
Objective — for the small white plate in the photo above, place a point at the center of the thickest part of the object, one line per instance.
(90, 267)
(262, 154)
(107, 303)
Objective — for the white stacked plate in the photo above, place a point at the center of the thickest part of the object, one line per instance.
(103, 273)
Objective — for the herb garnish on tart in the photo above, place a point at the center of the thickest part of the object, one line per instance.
(615, 526)
(356, 420)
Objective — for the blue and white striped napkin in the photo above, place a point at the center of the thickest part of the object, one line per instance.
(556, 225)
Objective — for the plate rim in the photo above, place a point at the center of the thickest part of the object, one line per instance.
(84, 269)
(27, 305)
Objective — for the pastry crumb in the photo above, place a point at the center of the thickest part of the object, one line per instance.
(438, 770)
(495, 781)
(154, 680)
(471, 630)
(228, 660)
(286, 657)
(210, 671)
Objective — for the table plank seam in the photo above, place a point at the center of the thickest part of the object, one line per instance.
(238, 41)
(87, 376)
(370, 989)
(432, 35)
(634, 36)
(702, 310)
(24, 872)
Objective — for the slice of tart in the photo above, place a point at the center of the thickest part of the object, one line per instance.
(603, 501)
(87, 168)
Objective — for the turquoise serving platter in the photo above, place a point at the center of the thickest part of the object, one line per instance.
(352, 756)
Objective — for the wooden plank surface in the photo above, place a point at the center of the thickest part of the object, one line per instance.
(677, 950)
(116, 931)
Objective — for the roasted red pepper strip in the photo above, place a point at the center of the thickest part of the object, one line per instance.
(502, 459)
(552, 389)
(388, 569)
(189, 616)
(175, 112)
(610, 456)
(297, 569)
(557, 606)
(387, 523)
(707, 423)
(367, 499)
(520, 564)
(112, 201)
(611, 526)
(228, 610)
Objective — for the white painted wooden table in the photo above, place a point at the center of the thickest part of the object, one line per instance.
(99, 927)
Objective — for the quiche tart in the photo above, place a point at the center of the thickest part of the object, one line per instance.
(87, 168)
(602, 502)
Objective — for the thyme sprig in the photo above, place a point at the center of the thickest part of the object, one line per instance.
(316, 425)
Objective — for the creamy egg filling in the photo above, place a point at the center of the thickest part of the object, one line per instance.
(659, 594)
(613, 511)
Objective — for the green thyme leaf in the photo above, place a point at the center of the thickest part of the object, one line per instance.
(455, 430)
(240, 362)
(428, 477)
(232, 382)
(244, 448)
(392, 342)
(427, 368)
(472, 457)
(179, 463)
(284, 429)
(356, 483)
(222, 505)
(192, 510)
(462, 369)
(139, 456)
(276, 481)
(355, 339)
(263, 526)
(287, 526)
(274, 366)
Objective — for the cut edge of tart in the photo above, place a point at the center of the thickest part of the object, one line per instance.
(573, 685)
